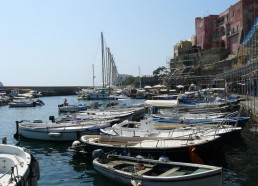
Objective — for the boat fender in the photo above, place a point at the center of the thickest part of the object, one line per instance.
(54, 134)
(194, 156)
(34, 172)
(76, 144)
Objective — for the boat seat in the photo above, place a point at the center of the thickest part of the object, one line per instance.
(141, 172)
(177, 173)
(170, 171)
(199, 170)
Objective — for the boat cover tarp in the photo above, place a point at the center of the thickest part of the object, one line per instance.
(161, 103)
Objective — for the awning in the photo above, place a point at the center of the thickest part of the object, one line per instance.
(147, 87)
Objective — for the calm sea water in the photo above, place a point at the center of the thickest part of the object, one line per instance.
(60, 167)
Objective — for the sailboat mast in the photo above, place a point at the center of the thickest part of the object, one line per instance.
(140, 77)
(103, 59)
(93, 76)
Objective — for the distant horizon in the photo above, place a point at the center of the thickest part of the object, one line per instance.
(56, 43)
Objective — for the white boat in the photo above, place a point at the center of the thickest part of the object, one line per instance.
(99, 95)
(118, 97)
(177, 148)
(63, 131)
(72, 108)
(22, 102)
(138, 171)
(66, 107)
(133, 113)
(17, 167)
(105, 115)
(188, 115)
(146, 128)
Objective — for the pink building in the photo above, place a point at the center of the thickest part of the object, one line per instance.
(228, 29)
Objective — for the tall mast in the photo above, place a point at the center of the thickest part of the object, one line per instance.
(140, 77)
(103, 59)
(93, 76)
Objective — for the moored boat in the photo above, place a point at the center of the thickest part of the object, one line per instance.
(147, 128)
(24, 102)
(17, 167)
(139, 171)
(175, 148)
(63, 131)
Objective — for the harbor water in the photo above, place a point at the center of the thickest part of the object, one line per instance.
(61, 167)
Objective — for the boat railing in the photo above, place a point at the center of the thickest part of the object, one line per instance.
(12, 172)
(188, 138)
(228, 116)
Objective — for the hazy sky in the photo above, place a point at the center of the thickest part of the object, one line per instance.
(56, 42)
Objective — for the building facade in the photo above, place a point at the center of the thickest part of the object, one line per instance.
(228, 29)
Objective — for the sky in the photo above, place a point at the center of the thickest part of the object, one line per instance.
(56, 42)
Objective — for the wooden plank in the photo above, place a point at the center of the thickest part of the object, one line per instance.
(169, 172)
(141, 172)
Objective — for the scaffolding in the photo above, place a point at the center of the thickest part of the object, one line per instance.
(242, 79)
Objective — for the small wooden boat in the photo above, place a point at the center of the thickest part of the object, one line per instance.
(138, 171)
(17, 167)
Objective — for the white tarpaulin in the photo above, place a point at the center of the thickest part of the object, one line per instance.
(161, 103)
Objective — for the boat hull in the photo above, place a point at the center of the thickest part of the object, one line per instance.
(205, 150)
(65, 133)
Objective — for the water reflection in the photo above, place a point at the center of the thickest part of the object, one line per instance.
(82, 164)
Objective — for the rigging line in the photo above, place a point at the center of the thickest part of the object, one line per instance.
(97, 51)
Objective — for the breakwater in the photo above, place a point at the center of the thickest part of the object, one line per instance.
(49, 90)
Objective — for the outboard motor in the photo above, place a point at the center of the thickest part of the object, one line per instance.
(52, 118)
(98, 153)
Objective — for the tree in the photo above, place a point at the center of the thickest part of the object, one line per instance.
(130, 80)
(160, 70)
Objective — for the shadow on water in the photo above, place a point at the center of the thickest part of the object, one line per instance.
(43, 147)
(239, 159)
